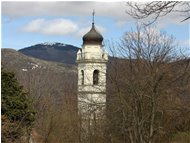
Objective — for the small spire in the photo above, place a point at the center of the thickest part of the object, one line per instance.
(93, 13)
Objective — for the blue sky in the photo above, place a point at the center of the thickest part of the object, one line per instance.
(28, 23)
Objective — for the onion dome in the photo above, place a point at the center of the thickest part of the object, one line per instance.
(92, 37)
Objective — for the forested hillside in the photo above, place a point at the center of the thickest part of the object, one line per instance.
(52, 88)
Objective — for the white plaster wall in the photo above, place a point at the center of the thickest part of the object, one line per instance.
(91, 97)
(88, 78)
(88, 103)
(91, 52)
(96, 98)
(92, 88)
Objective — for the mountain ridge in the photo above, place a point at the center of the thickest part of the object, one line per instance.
(52, 51)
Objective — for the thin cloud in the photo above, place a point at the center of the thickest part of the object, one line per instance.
(51, 27)
(59, 27)
(117, 10)
(20, 9)
(15, 10)
(120, 23)
(184, 43)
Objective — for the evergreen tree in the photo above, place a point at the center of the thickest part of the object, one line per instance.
(17, 114)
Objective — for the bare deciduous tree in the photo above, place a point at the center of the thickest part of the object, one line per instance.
(141, 80)
(158, 9)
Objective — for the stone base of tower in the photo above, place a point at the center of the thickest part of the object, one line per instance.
(92, 116)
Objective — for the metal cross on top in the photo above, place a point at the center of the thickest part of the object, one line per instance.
(93, 13)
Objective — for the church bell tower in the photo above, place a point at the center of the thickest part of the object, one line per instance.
(91, 60)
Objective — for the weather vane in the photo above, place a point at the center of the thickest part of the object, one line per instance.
(93, 13)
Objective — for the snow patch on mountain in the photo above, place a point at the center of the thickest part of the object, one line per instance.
(53, 44)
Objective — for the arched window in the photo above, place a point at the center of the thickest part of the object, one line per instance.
(95, 77)
(82, 77)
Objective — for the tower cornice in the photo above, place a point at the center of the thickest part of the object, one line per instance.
(91, 61)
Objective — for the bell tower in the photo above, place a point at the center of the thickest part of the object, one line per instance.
(91, 60)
